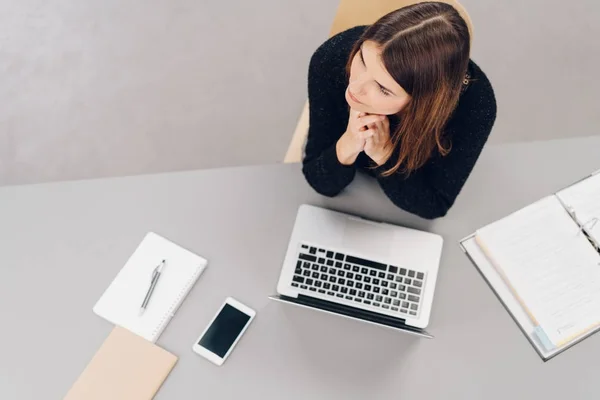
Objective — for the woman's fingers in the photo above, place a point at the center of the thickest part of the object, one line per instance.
(370, 119)
(367, 134)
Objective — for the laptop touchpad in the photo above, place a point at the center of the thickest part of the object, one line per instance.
(367, 237)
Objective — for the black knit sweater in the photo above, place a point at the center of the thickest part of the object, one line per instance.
(429, 191)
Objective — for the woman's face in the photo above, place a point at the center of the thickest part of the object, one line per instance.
(372, 89)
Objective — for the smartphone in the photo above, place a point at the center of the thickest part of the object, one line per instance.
(224, 331)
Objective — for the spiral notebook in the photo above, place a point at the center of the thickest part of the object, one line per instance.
(543, 263)
(120, 303)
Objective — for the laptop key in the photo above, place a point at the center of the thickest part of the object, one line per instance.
(294, 284)
(385, 292)
(342, 281)
(340, 273)
(366, 302)
(408, 281)
(332, 279)
(315, 267)
(413, 298)
(401, 296)
(413, 290)
(307, 257)
(306, 273)
(306, 265)
(376, 304)
(368, 287)
(344, 289)
(330, 263)
(375, 281)
(393, 293)
(318, 284)
(312, 250)
(330, 254)
(323, 269)
(376, 289)
(396, 302)
(331, 293)
(349, 275)
(393, 270)
(321, 250)
(339, 295)
(324, 277)
(405, 310)
(352, 292)
(309, 282)
(402, 288)
(361, 294)
(358, 277)
(420, 275)
(413, 313)
(348, 297)
(384, 283)
(399, 279)
(411, 274)
(387, 300)
(394, 308)
(347, 267)
(338, 264)
(326, 286)
(417, 283)
(364, 271)
(385, 306)
(303, 287)
(335, 288)
(350, 283)
(405, 304)
(373, 272)
(414, 306)
(339, 256)
(321, 260)
(402, 271)
(358, 285)
(390, 277)
(378, 298)
(315, 275)
(367, 279)
(381, 275)
(332, 271)
(312, 289)
(321, 291)
(355, 269)
(370, 296)
(393, 285)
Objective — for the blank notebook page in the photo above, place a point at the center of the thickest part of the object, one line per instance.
(584, 198)
(121, 302)
(550, 266)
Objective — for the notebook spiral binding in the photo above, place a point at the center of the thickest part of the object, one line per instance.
(176, 304)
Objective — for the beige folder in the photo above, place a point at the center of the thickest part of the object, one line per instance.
(126, 367)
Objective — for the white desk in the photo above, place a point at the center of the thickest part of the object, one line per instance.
(61, 244)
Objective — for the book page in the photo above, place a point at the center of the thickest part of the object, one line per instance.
(584, 199)
(550, 265)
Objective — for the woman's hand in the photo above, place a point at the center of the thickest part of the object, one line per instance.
(361, 128)
(377, 146)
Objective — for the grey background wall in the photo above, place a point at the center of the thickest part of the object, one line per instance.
(120, 87)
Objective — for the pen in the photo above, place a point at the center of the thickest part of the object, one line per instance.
(155, 276)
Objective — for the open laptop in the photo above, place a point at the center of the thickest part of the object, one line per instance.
(368, 271)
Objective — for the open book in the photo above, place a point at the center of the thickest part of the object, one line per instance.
(543, 263)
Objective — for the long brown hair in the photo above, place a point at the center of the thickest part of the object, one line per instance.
(425, 48)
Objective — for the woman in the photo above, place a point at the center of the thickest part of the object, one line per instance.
(401, 100)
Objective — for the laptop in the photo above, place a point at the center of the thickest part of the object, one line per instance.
(369, 271)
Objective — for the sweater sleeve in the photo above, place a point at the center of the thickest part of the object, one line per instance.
(432, 190)
(328, 118)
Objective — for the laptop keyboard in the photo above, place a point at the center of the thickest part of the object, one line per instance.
(342, 276)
